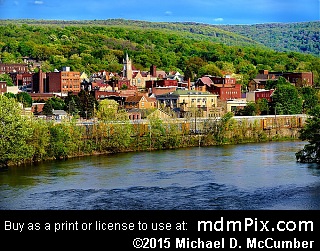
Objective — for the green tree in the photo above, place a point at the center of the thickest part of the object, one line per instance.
(65, 140)
(72, 104)
(88, 104)
(311, 133)
(107, 110)
(249, 110)
(210, 69)
(24, 98)
(310, 98)
(15, 131)
(47, 109)
(6, 78)
(40, 139)
(286, 99)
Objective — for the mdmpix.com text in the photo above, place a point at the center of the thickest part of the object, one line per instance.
(249, 224)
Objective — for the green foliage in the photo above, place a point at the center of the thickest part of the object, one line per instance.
(40, 139)
(72, 104)
(6, 78)
(216, 128)
(87, 104)
(310, 98)
(311, 133)
(210, 69)
(24, 98)
(65, 140)
(249, 110)
(107, 110)
(51, 104)
(286, 99)
(157, 132)
(299, 37)
(15, 132)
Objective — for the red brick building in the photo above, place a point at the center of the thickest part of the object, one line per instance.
(161, 83)
(299, 79)
(11, 68)
(259, 94)
(225, 87)
(21, 79)
(64, 81)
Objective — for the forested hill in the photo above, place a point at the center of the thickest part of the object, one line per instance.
(300, 37)
(303, 37)
(194, 31)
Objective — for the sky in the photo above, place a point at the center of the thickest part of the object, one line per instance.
(199, 11)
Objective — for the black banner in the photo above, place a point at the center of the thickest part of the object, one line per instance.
(167, 230)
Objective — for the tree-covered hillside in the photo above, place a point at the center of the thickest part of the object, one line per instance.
(299, 37)
(91, 46)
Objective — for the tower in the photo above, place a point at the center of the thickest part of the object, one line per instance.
(127, 68)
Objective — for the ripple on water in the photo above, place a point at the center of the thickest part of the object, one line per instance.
(211, 196)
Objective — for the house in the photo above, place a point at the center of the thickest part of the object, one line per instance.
(225, 87)
(134, 114)
(42, 96)
(37, 108)
(139, 102)
(59, 114)
(185, 102)
(175, 75)
(299, 79)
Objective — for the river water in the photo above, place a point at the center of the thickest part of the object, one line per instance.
(236, 177)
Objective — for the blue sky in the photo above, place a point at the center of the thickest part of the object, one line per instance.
(201, 11)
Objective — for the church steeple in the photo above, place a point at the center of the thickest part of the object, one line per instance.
(127, 67)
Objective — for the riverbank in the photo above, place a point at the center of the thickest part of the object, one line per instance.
(231, 137)
(68, 139)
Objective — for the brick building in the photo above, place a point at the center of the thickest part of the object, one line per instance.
(11, 68)
(225, 87)
(299, 79)
(64, 81)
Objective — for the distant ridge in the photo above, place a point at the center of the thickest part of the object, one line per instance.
(302, 37)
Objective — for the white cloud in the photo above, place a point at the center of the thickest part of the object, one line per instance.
(219, 19)
(168, 13)
(38, 2)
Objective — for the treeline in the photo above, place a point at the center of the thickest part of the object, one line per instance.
(26, 139)
(90, 48)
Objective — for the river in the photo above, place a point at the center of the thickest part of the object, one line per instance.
(253, 176)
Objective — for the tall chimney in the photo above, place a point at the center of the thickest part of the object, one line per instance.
(153, 71)
(41, 87)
